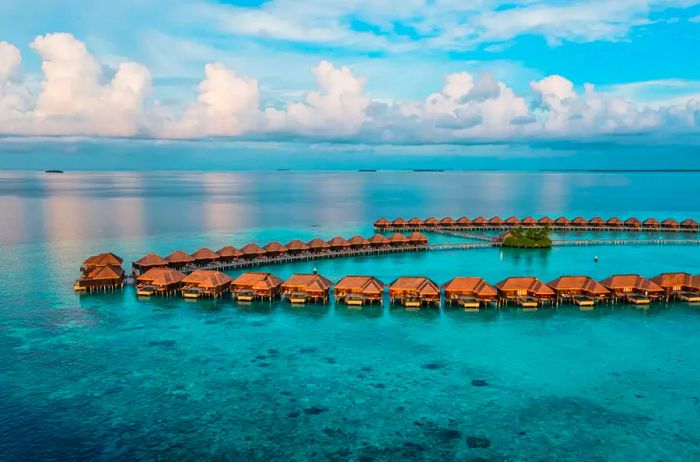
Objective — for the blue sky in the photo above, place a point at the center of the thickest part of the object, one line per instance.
(384, 63)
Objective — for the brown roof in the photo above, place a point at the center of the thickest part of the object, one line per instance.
(258, 281)
(431, 221)
(161, 277)
(179, 257)
(252, 249)
(229, 251)
(668, 280)
(689, 223)
(562, 221)
(358, 241)
(307, 281)
(378, 239)
(579, 221)
(528, 221)
(470, 284)
(398, 238)
(151, 260)
(338, 242)
(614, 221)
(651, 222)
(530, 284)
(421, 284)
(448, 221)
(104, 259)
(205, 254)
(318, 244)
(398, 222)
(275, 247)
(297, 245)
(381, 222)
(621, 281)
(496, 221)
(417, 238)
(479, 221)
(368, 284)
(106, 273)
(584, 283)
(596, 221)
(632, 222)
(545, 221)
(464, 221)
(513, 220)
(670, 222)
(415, 221)
(207, 279)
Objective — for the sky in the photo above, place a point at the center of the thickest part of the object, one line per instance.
(377, 72)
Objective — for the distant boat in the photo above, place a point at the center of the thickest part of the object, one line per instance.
(53, 171)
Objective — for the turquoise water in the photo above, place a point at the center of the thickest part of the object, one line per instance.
(112, 377)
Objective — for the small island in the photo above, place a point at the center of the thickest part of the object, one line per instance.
(532, 238)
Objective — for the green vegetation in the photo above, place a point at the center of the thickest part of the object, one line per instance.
(527, 237)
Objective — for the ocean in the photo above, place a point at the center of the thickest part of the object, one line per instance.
(108, 376)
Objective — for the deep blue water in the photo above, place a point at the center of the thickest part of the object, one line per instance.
(111, 377)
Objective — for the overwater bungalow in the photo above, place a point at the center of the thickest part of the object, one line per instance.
(496, 222)
(205, 283)
(679, 286)
(205, 256)
(99, 261)
(596, 222)
(513, 221)
(318, 245)
(633, 223)
(470, 293)
(464, 221)
(275, 249)
(632, 288)
(101, 278)
(147, 262)
(689, 223)
(417, 239)
(296, 247)
(415, 222)
(670, 223)
(253, 251)
(229, 253)
(179, 259)
(562, 222)
(399, 223)
(614, 222)
(479, 221)
(398, 240)
(159, 281)
(303, 288)
(382, 223)
(580, 290)
(545, 221)
(528, 292)
(379, 240)
(528, 221)
(338, 244)
(359, 290)
(358, 242)
(414, 292)
(651, 223)
(579, 222)
(447, 222)
(253, 285)
(431, 222)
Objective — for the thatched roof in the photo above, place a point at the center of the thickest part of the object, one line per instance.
(312, 282)
(431, 221)
(378, 239)
(545, 221)
(528, 221)
(250, 250)
(103, 259)
(382, 222)
(151, 260)
(634, 222)
(179, 257)
(614, 221)
(369, 285)
(338, 242)
(470, 284)
(229, 252)
(447, 221)
(634, 281)
(651, 222)
(415, 221)
(562, 221)
(318, 244)
(670, 223)
(513, 220)
(530, 284)
(106, 273)
(398, 238)
(161, 277)
(689, 223)
(596, 221)
(398, 222)
(417, 238)
(479, 221)
(422, 285)
(669, 280)
(579, 221)
(207, 279)
(205, 254)
(496, 221)
(297, 246)
(584, 283)
(275, 247)
(258, 281)
(358, 241)
(464, 221)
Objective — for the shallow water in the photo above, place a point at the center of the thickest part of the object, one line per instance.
(110, 376)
